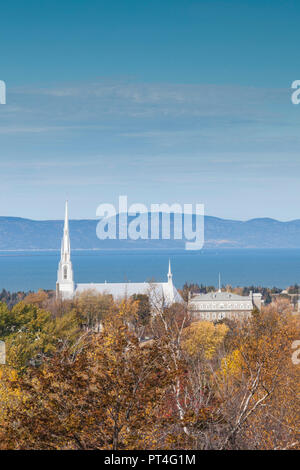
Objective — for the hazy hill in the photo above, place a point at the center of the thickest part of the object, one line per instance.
(24, 234)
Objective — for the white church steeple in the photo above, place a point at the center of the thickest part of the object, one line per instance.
(170, 275)
(65, 283)
(65, 244)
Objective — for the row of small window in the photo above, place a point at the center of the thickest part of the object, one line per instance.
(218, 316)
(229, 306)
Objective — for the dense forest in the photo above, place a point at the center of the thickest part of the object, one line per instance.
(94, 373)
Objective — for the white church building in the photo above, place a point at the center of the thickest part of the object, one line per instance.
(162, 293)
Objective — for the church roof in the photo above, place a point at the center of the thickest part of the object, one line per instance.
(219, 296)
(157, 291)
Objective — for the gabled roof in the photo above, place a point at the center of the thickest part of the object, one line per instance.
(157, 291)
(219, 296)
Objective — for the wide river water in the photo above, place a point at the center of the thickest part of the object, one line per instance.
(37, 269)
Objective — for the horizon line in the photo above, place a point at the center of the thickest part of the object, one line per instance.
(149, 212)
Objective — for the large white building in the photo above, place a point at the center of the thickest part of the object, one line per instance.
(160, 293)
(220, 305)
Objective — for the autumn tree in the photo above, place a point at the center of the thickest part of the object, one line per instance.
(103, 393)
(258, 383)
(31, 332)
(40, 298)
(91, 308)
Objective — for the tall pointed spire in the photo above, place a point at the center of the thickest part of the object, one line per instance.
(219, 282)
(66, 217)
(170, 272)
(65, 284)
(65, 245)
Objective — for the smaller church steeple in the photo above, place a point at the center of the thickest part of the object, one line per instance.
(219, 282)
(170, 275)
(65, 283)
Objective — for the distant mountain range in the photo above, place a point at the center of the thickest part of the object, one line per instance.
(24, 234)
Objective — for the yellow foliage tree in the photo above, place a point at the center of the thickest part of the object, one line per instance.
(203, 337)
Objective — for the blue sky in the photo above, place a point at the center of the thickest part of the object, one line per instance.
(173, 101)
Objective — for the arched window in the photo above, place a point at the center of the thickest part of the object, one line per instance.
(65, 272)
